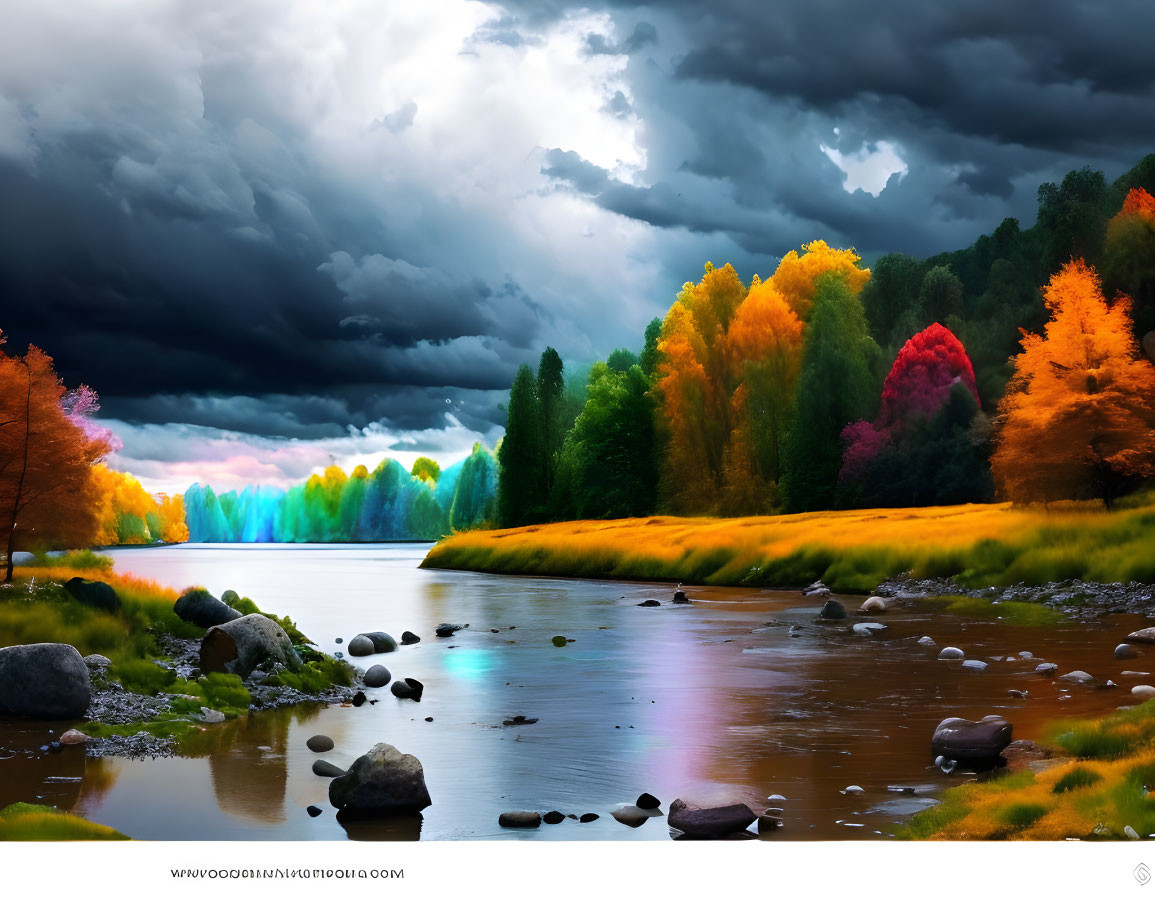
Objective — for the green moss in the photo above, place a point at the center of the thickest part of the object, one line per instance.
(224, 690)
(82, 560)
(143, 676)
(1020, 816)
(1013, 614)
(314, 677)
(927, 823)
(22, 822)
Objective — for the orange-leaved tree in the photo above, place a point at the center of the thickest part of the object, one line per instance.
(129, 515)
(1129, 256)
(797, 275)
(48, 447)
(764, 349)
(1078, 418)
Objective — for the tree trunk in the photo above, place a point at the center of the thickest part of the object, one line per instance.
(20, 483)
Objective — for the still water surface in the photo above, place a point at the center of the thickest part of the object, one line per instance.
(707, 702)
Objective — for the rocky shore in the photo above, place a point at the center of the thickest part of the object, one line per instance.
(1083, 599)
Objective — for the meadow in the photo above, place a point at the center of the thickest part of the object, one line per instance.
(976, 545)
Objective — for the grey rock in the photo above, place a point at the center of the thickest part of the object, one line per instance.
(872, 605)
(203, 609)
(710, 822)
(926, 641)
(446, 630)
(320, 744)
(951, 654)
(833, 610)
(868, 629)
(327, 770)
(648, 802)
(43, 681)
(553, 817)
(361, 646)
(1146, 635)
(649, 603)
(97, 662)
(93, 592)
(960, 739)
(23, 559)
(680, 598)
(407, 689)
(241, 645)
(1125, 651)
(313, 811)
(1046, 668)
(974, 665)
(520, 819)
(588, 818)
(1146, 691)
(382, 642)
(377, 676)
(211, 716)
(409, 638)
(382, 782)
(1077, 677)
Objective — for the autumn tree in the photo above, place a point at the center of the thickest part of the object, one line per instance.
(764, 351)
(1129, 256)
(836, 386)
(927, 444)
(426, 468)
(1078, 419)
(796, 277)
(48, 447)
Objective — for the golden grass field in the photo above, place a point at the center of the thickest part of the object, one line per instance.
(853, 551)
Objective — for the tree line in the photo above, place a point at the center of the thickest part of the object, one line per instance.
(831, 385)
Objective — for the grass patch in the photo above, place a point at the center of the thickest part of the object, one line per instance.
(852, 551)
(1014, 614)
(1020, 816)
(22, 822)
(1079, 777)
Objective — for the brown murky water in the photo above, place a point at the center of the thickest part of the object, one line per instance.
(704, 702)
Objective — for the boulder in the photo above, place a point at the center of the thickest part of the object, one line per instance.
(239, 646)
(203, 609)
(951, 654)
(327, 770)
(382, 642)
(20, 559)
(383, 782)
(43, 681)
(833, 610)
(868, 629)
(361, 646)
(377, 676)
(97, 664)
(1146, 691)
(408, 638)
(648, 802)
(407, 689)
(680, 598)
(212, 716)
(1125, 651)
(96, 593)
(710, 822)
(972, 742)
(72, 736)
(320, 744)
(872, 605)
(1022, 753)
(520, 819)
(1146, 635)
(446, 630)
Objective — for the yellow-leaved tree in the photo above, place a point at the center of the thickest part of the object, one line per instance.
(796, 275)
(1078, 418)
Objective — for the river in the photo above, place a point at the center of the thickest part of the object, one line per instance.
(706, 701)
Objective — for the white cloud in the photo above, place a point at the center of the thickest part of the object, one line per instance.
(870, 167)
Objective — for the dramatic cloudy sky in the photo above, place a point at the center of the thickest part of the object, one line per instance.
(276, 233)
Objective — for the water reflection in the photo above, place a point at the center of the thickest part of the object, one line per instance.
(249, 767)
(390, 829)
(65, 778)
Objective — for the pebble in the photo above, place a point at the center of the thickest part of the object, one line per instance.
(1146, 691)
(313, 811)
(776, 797)
(319, 744)
(926, 641)
(359, 698)
(1045, 668)
(1020, 694)
(1026, 654)
(1077, 677)
(868, 630)
(648, 802)
(1130, 833)
(1125, 651)
(587, 817)
(72, 736)
(559, 640)
(408, 638)
(520, 819)
(974, 665)
(951, 654)
(327, 770)
(852, 790)
(1135, 674)
(553, 817)
(377, 676)
(211, 716)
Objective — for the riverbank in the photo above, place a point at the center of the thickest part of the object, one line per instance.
(974, 546)
(148, 696)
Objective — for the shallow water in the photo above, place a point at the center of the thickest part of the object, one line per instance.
(707, 702)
